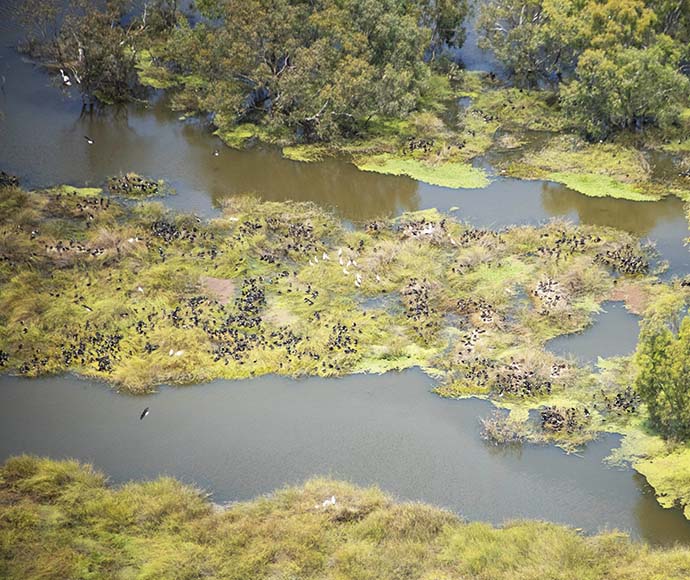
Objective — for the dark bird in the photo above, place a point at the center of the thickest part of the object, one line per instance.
(89, 140)
(144, 413)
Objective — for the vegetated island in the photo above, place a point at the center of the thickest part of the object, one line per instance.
(138, 296)
(589, 93)
(60, 519)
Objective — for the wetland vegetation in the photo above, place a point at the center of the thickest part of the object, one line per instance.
(62, 519)
(138, 296)
(589, 94)
(106, 283)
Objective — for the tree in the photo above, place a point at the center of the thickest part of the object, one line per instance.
(95, 43)
(628, 88)
(543, 39)
(663, 381)
(319, 68)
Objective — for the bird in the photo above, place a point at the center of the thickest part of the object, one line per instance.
(65, 79)
(324, 256)
(328, 502)
(89, 140)
(216, 152)
(144, 413)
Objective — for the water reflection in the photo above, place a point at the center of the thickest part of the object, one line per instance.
(640, 218)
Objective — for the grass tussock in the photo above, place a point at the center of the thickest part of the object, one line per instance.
(139, 296)
(60, 519)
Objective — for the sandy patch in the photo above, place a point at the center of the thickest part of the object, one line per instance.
(221, 288)
(633, 295)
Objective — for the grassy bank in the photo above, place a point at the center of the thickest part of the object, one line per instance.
(472, 115)
(139, 296)
(62, 520)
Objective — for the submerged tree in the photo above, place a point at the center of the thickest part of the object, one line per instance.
(94, 43)
(543, 39)
(320, 69)
(663, 381)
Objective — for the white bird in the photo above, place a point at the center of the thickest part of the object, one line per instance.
(310, 262)
(216, 152)
(340, 252)
(328, 502)
(316, 260)
(354, 263)
(378, 278)
(342, 262)
(179, 353)
(65, 79)
(358, 284)
(324, 256)
(89, 140)
(172, 352)
(349, 262)
(140, 289)
(345, 271)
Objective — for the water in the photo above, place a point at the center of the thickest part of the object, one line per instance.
(42, 141)
(613, 333)
(243, 438)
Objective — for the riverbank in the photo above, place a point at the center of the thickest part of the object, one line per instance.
(139, 296)
(61, 519)
(476, 127)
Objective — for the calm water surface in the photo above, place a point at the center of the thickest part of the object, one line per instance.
(242, 438)
(239, 439)
(614, 332)
(42, 140)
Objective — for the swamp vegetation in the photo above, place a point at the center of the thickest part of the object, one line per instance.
(590, 90)
(105, 284)
(138, 296)
(60, 519)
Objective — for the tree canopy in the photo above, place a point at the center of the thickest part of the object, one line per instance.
(317, 68)
(663, 381)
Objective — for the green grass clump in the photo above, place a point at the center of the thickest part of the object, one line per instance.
(596, 185)
(521, 109)
(60, 519)
(306, 153)
(449, 174)
(598, 170)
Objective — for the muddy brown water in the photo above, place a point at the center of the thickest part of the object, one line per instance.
(240, 439)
